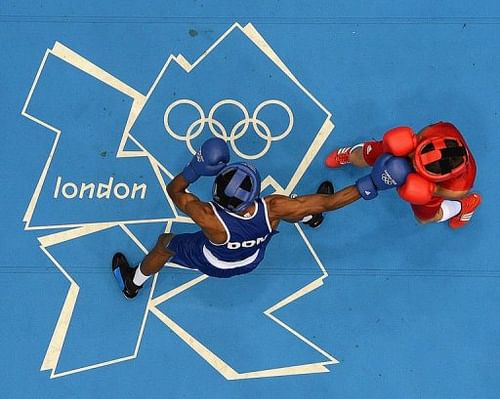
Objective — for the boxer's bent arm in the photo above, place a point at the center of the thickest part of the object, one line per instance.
(291, 210)
(450, 194)
(201, 212)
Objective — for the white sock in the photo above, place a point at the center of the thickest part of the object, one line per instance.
(139, 278)
(450, 209)
(355, 147)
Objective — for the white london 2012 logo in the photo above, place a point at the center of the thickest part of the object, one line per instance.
(220, 124)
(239, 129)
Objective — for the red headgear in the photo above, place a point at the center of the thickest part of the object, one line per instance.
(440, 158)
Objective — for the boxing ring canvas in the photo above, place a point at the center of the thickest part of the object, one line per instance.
(102, 104)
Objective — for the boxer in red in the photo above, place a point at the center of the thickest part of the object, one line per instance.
(444, 170)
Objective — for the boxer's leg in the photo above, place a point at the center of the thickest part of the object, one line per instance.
(154, 261)
(424, 215)
(132, 279)
(458, 212)
(360, 155)
(436, 211)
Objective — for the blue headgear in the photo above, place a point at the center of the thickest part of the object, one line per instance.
(236, 186)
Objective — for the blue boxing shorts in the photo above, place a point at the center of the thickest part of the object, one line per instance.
(188, 250)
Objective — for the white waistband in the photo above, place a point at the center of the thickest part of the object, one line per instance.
(221, 264)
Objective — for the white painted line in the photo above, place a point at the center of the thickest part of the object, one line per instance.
(176, 291)
(86, 66)
(53, 352)
(83, 64)
(57, 341)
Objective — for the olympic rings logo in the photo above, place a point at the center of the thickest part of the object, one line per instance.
(237, 131)
(387, 179)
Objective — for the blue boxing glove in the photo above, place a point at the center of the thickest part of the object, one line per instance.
(387, 172)
(208, 160)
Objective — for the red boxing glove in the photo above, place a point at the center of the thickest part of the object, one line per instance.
(400, 141)
(417, 190)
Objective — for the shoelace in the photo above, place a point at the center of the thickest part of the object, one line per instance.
(343, 155)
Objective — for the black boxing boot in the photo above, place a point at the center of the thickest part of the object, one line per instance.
(124, 275)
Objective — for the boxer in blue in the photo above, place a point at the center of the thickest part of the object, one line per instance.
(237, 225)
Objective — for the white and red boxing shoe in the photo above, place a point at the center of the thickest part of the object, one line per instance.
(469, 205)
(338, 157)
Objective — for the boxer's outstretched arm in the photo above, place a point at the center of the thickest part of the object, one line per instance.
(291, 210)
